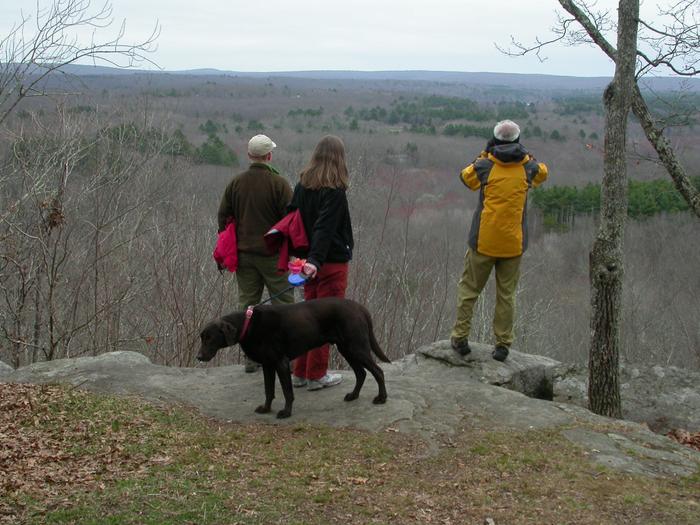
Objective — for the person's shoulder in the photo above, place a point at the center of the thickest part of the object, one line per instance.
(332, 194)
(233, 181)
(279, 178)
(481, 162)
(236, 179)
(531, 160)
(240, 174)
(534, 168)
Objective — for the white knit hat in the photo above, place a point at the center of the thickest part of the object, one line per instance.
(506, 131)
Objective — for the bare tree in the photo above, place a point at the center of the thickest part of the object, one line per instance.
(33, 219)
(74, 200)
(47, 42)
(673, 43)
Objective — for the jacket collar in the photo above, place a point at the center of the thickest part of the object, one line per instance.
(265, 166)
(513, 153)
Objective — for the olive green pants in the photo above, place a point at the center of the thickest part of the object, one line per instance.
(256, 272)
(477, 269)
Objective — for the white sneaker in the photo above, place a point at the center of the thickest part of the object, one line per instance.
(324, 382)
(298, 381)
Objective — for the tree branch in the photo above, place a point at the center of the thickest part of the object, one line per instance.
(29, 60)
(655, 134)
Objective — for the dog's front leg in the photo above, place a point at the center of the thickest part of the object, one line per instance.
(286, 381)
(269, 373)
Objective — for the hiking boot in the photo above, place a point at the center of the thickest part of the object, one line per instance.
(298, 382)
(460, 345)
(500, 353)
(251, 366)
(324, 382)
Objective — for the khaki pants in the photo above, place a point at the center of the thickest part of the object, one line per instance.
(256, 272)
(477, 268)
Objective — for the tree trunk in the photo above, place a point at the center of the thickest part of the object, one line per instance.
(606, 258)
(38, 321)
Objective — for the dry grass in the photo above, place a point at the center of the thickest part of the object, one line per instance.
(71, 457)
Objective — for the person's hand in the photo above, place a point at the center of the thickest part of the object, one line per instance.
(310, 270)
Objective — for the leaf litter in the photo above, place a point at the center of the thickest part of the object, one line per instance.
(46, 452)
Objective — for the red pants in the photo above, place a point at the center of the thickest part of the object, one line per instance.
(330, 281)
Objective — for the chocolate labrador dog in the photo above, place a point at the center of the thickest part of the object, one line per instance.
(276, 334)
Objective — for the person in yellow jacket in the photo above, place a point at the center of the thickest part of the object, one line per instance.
(503, 174)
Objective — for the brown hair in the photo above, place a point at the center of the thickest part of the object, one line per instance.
(327, 168)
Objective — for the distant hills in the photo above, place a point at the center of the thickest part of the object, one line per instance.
(511, 80)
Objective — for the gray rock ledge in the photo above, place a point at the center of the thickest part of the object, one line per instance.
(432, 396)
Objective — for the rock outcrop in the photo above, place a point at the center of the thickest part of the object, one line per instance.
(529, 374)
(433, 392)
(665, 398)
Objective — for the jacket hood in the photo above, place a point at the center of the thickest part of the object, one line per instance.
(509, 153)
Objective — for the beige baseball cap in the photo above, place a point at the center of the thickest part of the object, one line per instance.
(260, 145)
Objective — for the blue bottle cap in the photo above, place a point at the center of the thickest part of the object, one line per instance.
(296, 279)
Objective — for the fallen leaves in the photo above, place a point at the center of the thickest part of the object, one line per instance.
(685, 438)
(53, 439)
(358, 480)
(63, 450)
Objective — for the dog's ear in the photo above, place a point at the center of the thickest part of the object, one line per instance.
(230, 332)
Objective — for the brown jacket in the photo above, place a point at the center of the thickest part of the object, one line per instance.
(256, 199)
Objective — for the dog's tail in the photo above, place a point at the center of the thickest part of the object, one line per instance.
(373, 340)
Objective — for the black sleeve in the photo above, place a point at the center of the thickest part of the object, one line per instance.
(294, 203)
(333, 205)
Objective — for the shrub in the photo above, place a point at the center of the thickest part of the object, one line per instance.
(255, 125)
(214, 151)
(210, 127)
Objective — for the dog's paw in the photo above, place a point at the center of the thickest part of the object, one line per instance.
(351, 396)
(379, 400)
(262, 409)
(284, 414)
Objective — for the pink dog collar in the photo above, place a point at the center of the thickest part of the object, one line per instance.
(246, 323)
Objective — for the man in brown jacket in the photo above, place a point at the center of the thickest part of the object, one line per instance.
(256, 199)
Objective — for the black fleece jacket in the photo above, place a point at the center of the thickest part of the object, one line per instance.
(326, 219)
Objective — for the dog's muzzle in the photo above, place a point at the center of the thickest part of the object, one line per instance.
(202, 358)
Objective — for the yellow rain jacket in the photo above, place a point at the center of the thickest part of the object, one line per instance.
(503, 176)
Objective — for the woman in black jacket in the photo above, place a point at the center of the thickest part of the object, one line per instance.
(321, 200)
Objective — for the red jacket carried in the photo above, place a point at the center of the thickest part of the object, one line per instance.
(226, 250)
(287, 234)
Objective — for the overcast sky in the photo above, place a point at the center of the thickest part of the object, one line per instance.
(287, 35)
